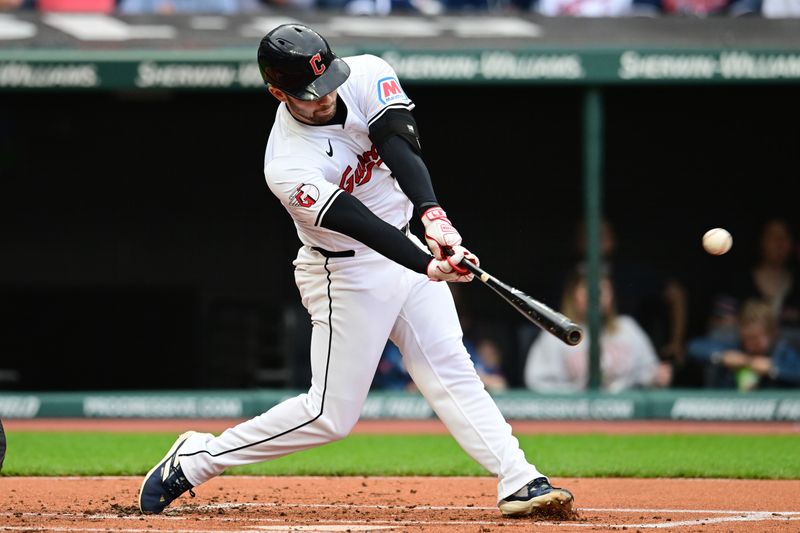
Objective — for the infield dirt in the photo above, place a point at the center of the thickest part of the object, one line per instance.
(414, 504)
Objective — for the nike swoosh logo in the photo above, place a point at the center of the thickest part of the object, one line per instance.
(330, 149)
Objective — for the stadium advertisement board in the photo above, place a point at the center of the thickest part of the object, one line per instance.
(93, 51)
(515, 405)
(84, 70)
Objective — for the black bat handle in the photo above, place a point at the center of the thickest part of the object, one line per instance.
(535, 311)
(472, 267)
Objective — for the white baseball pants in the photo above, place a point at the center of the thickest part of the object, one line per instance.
(355, 304)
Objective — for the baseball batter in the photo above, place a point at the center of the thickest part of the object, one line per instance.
(344, 159)
(2, 444)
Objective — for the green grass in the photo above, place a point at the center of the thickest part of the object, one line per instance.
(720, 456)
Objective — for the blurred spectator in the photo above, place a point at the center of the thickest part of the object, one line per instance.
(381, 7)
(657, 301)
(773, 279)
(166, 7)
(484, 352)
(695, 8)
(77, 6)
(483, 349)
(624, 8)
(392, 374)
(460, 5)
(627, 357)
(487, 358)
(592, 8)
(297, 4)
(779, 8)
(8, 5)
(758, 357)
(589, 8)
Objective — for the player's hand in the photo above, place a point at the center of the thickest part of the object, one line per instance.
(663, 375)
(448, 269)
(735, 359)
(440, 235)
(761, 364)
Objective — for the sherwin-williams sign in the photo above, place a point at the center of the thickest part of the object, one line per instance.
(85, 70)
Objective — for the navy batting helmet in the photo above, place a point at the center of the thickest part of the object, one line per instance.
(299, 61)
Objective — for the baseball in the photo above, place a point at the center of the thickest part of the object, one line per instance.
(717, 241)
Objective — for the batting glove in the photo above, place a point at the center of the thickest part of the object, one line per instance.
(448, 269)
(440, 235)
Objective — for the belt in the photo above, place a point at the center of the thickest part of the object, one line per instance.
(328, 253)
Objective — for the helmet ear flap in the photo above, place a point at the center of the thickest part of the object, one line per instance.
(299, 61)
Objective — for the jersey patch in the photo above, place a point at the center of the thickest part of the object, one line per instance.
(305, 195)
(389, 90)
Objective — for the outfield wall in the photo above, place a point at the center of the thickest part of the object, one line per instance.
(516, 405)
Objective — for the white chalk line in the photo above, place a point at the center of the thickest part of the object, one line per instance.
(755, 517)
(284, 528)
(731, 516)
(409, 507)
(394, 524)
(171, 514)
(379, 524)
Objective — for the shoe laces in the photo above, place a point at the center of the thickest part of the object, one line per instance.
(176, 483)
(532, 487)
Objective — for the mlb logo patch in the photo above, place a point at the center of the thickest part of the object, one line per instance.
(389, 90)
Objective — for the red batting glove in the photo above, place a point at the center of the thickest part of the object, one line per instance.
(440, 235)
(448, 269)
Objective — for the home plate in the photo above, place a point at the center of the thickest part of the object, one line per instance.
(321, 528)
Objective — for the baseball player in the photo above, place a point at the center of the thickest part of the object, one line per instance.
(2, 445)
(344, 159)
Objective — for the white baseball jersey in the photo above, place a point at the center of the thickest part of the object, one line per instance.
(306, 166)
(356, 301)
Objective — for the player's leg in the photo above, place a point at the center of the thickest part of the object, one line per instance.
(2, 444)
(428, 334)
(352, 305)
(352, 311)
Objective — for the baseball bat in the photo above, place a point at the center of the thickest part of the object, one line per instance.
(549, 320)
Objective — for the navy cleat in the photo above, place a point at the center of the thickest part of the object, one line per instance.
(539, 497)
(165, 481)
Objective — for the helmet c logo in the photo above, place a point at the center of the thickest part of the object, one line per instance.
(316, 64)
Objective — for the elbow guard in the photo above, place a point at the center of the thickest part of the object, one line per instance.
(396, 122)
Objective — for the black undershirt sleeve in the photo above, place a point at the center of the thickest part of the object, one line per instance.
(396, 139)
(349, 216)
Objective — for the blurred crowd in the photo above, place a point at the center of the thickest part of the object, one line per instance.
(750, 337)
(550, 8)
(752, 334)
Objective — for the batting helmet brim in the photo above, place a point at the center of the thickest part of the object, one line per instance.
(335, 74)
